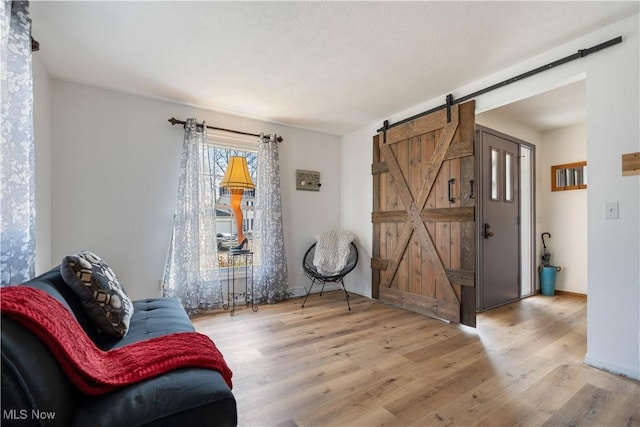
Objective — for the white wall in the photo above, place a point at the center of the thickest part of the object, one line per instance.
(308, 213)
(357, 203)
(499, 122)
(612, 93)
(114, 178)
(565, 212)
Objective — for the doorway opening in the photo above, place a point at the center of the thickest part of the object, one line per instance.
(553, 124)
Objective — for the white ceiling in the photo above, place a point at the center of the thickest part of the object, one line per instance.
(550, 110)
(328, 66)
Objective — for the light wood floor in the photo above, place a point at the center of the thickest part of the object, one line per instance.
(382, 366)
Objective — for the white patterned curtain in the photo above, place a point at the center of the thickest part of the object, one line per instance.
(271, 277)
(191, 271)
(17, 193)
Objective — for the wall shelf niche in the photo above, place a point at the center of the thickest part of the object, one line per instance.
(570, 176)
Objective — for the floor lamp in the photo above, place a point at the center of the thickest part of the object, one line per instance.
(236, 180)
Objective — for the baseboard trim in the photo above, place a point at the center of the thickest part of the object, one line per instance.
(630, 372)
(571, 294)
(566, 294)
(300, 291)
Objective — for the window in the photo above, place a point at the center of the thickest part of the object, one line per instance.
(508, 176)
(217, 157)
(495, 168)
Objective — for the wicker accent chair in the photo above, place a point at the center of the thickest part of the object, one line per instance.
(312, 272)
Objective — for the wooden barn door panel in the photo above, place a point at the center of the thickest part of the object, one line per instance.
(424, 215)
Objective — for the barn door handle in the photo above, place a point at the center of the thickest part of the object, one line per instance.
(471, 195)
(487, 233)
(451, 198)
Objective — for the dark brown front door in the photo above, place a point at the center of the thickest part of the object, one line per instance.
(424, 235)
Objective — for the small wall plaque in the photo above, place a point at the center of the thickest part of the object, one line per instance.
(307, 180)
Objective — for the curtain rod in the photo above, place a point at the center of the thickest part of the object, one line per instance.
(175, 121)
(451, 101)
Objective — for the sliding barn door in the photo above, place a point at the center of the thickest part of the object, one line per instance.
(424, 234)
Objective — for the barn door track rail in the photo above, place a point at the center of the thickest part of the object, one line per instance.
(451, 101)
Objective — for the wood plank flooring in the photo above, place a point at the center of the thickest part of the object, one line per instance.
(382, 366)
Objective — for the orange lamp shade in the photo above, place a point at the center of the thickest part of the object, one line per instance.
(237, 174)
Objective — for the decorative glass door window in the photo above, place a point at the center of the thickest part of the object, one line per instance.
(508, 176)
(502, 175)
(495, 174)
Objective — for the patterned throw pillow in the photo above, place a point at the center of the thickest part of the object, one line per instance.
(100, 292)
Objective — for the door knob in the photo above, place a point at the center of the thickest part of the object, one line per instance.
(487, 233)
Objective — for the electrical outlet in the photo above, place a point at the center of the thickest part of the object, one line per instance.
(611, 210)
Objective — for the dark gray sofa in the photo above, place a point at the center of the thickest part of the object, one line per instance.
(35, 390)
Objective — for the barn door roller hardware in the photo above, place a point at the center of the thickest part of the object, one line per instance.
(451, 101)
(448, 104)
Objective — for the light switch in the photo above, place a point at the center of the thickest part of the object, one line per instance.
(611, 210)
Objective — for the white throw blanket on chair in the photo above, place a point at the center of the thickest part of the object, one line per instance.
(332, 251)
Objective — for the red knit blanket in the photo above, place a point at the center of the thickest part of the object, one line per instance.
(93, 370)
